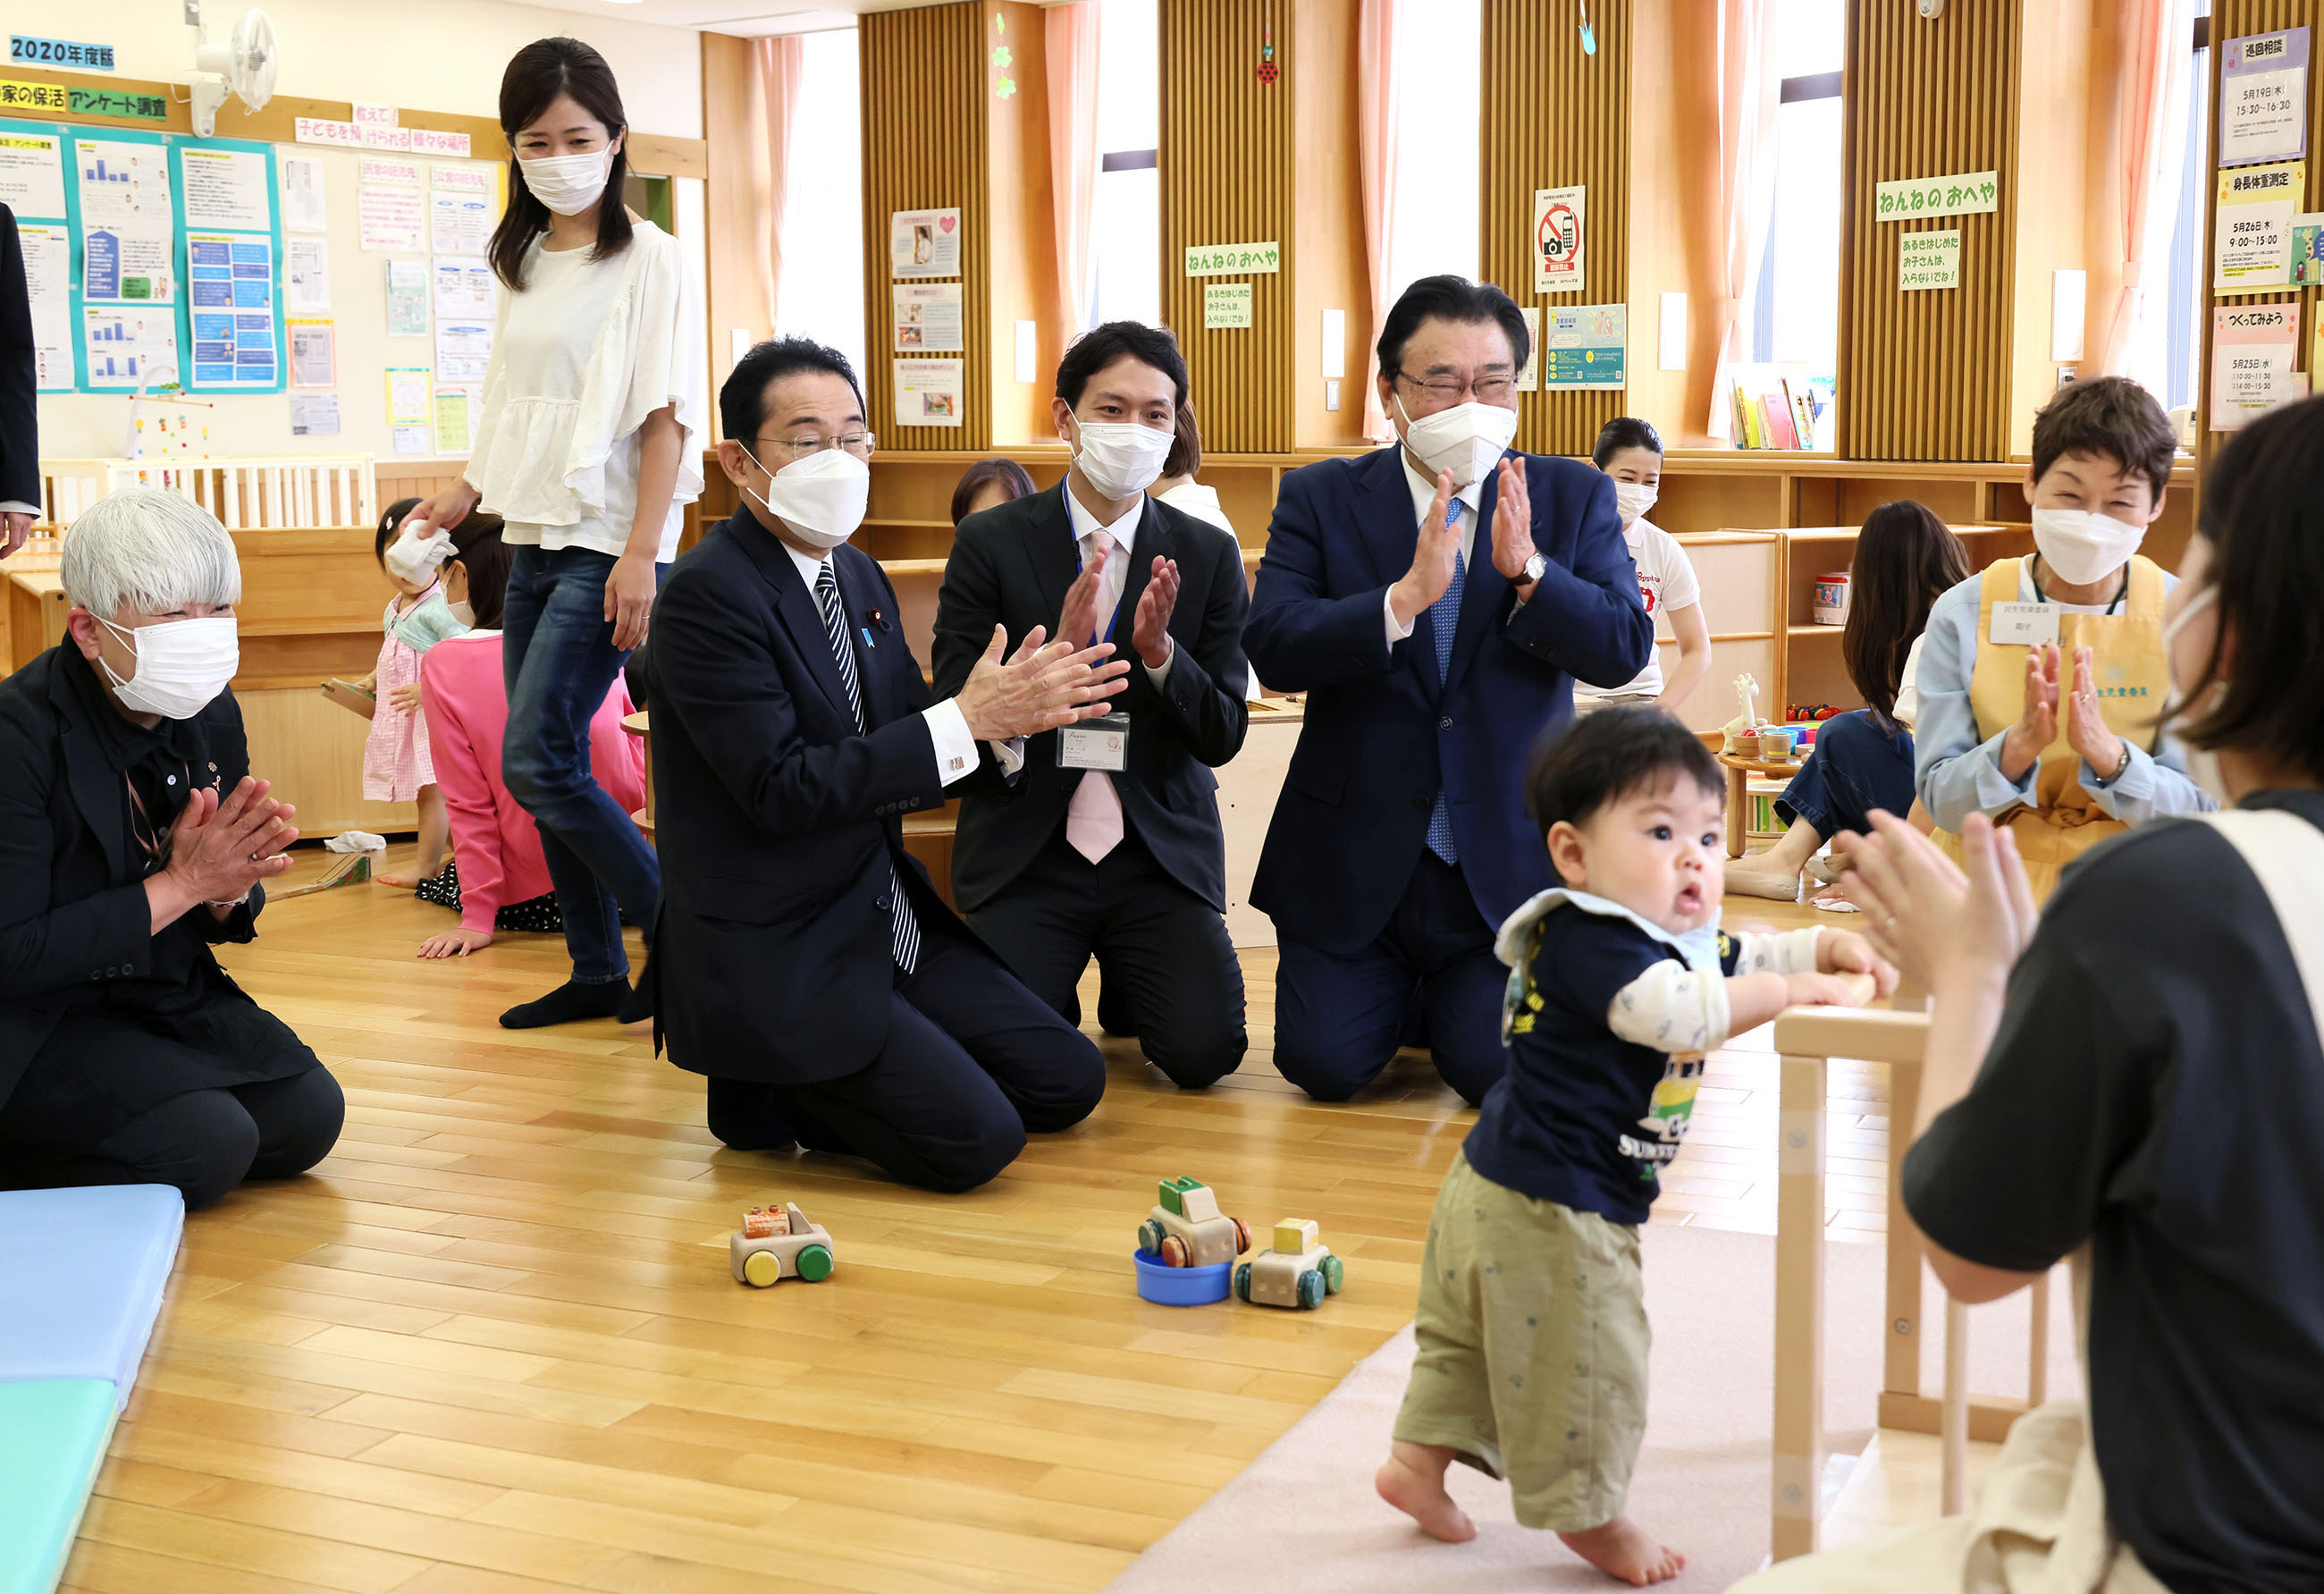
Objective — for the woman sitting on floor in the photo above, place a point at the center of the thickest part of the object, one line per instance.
(132, 840)
(498, 880)
(1906, 559)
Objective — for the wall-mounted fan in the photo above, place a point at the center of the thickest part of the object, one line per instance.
(241, 65)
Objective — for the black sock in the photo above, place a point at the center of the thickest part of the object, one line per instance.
(639, 1005)
(570, 1003)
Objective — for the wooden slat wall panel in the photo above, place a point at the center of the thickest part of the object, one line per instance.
(924, 143)
(1227, 178)
(1926, 375)
(2234, 19)
(1553, 116)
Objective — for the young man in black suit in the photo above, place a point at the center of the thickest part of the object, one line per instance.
(1110, 843)
(803, 961)
(20, 441)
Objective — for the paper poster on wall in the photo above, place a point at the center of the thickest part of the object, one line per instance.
(123, 184)
(407, 395)
(1235, 260)
(928, 392)
(455, 409)
(2254, 226)
(2255, 348)
(1912, 198)
(224, 188)
(383, 173)
(462, 180)
(230, 290)
(1928, 260)
(2307, 250)
(1529, 374)
(2263, 97)
(306, 276)
(1582, 345)
(459, 223)
(391, 219)
(365, 113)
(427, 141)
(129, 262)
(407, 298)
(303, 211)
(48, 277)
(314, 354)
(321, 130)
(1559, 219)
(126, 347)
(1226, 305)
(32, 173)
(463, 350)
(464, 288)
(314, 415)
(928, 317)
(385, 138)
(924, 242)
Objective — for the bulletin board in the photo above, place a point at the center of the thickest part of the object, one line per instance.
(155, 259)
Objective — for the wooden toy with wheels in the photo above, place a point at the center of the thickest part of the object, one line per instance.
(778, 1242)
(1298, 1272)
(1186, 1229)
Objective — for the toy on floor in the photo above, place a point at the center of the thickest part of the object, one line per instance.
(776, 1241)
(1187, 1247)
(1298, 1272)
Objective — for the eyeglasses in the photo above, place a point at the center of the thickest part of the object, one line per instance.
(1489, 390)
(792, 449)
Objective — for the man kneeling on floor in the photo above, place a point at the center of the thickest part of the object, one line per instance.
(803, 961)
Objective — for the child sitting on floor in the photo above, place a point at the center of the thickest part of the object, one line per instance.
(1532, 1327)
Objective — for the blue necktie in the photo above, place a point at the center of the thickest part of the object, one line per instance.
(1444, 620)
(906, 940)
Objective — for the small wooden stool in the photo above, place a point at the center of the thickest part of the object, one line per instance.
(1739, 770)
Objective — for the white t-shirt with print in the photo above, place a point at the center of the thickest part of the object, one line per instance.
(1665, 581)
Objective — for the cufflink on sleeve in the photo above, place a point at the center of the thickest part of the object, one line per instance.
(956, 764)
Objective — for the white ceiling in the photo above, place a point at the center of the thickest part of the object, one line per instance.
(748, 19)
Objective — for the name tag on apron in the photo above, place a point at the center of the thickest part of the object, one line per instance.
(2026, 626)
(1102, 744)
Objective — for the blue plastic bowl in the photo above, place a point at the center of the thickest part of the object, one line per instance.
(1180, 1286)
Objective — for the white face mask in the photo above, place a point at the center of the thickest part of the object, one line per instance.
(567, 184)
(462, 613)
(1633, 500)
(2202, 763)
(1468, 439)
(181, 665)
(821, 498)
(1122, 459)
(2082, 548)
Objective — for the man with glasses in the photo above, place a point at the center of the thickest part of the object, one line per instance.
(1435, 602)
(803, 961)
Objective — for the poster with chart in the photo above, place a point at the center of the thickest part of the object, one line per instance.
(2263, 97)
(924, 242)
(127, 347)
(123, 184)
(48, 274)
(32, 173)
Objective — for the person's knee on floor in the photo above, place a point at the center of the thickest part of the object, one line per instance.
(1069, 1092)
(202, 1142)
(1330, 1068)
(1197, 1053)
(298, 1120)
(983, 1146)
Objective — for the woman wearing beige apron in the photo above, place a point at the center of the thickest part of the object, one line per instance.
(2134, 1078)
(2040, 679)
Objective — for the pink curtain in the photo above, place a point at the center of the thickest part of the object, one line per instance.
(773, 108)
(2157, 64)
(1747, 90)
(1069, 38)
(1376, 112)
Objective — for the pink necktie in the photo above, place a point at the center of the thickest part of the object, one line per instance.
(1093, 820)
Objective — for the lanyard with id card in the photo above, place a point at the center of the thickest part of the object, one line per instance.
(1102, 744)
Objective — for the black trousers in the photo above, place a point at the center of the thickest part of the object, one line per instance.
(973, 1061)
(206, 1142)
(1339, 1017)
(1170, 973)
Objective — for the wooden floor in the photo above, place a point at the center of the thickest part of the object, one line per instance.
(491, 1344)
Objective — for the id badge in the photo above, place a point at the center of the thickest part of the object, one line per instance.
(1102, 744)
(2024, 625)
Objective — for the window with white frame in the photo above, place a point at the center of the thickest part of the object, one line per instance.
(1793, 317)
(820, 291)
(1126, 200)
(1433, 223)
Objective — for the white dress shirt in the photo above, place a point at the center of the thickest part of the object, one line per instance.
(947, 726)
(1122, 537)
(1424, 498)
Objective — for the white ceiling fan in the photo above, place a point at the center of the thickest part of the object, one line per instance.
(241, 65)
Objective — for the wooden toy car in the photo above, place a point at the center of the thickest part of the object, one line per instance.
(778, 1242)
(1187, 1231)
(1298, 1272)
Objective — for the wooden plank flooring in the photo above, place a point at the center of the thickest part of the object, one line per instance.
(491, 1344)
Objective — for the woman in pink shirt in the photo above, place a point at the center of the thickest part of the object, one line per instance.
(494, 842)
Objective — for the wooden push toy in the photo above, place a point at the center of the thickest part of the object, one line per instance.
(1187, 1247)
(1299, 1272)
(776, 1241)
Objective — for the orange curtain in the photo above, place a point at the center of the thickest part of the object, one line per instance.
(2157, 63)
(1745, 174)
(1376, 112)
(777, 64)
(1069, 40)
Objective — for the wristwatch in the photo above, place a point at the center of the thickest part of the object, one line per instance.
(1535, 569)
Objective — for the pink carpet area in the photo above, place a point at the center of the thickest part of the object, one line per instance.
(1304, 1516)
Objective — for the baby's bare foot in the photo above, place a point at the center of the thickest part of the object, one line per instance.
(1415, 1487)
(1624, 1550)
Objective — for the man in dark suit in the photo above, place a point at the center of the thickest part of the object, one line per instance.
(802, 960)
(1112, 847)
(1435, 602)
(19, 426)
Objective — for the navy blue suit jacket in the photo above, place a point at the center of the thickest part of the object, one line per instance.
(1382, 736)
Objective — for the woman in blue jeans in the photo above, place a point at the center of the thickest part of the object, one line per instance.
(587, 448)
(1905, 559)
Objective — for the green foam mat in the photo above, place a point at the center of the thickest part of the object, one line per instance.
(52, 1437)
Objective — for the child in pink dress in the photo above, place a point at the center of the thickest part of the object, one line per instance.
(396, 765)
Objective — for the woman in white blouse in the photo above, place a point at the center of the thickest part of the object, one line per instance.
(587, 447)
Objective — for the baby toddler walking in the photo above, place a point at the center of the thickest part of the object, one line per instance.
(1532, 1324)
(396, 767)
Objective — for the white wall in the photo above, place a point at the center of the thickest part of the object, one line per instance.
(435, 55)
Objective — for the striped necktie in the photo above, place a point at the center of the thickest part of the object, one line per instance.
(906, 939)
(1444, 620)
